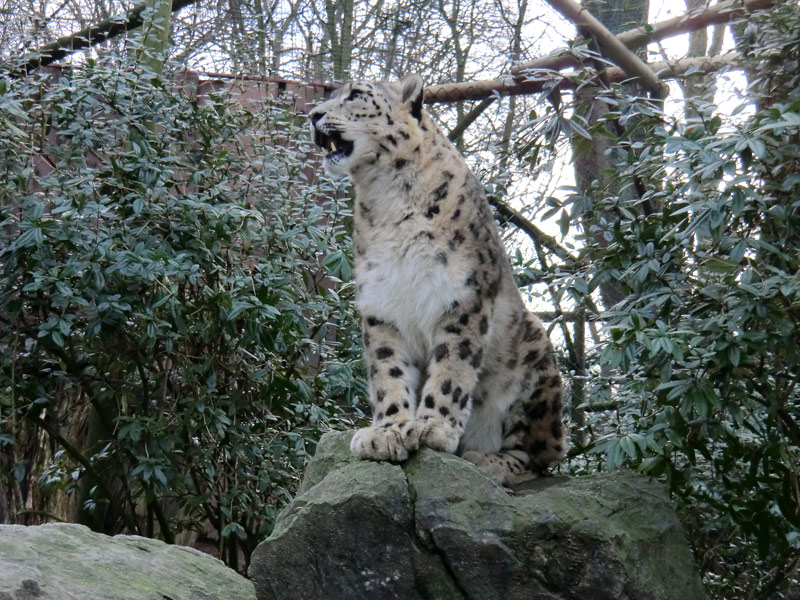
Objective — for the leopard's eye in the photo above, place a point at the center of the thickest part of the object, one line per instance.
(353, 95)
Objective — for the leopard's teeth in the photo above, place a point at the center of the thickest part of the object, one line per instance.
(333, 145)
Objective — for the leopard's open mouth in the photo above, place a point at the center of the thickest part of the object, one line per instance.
(333, 141)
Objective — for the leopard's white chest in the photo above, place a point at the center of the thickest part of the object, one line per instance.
(401, 281)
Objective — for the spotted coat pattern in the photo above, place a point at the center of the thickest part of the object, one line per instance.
(455, 360)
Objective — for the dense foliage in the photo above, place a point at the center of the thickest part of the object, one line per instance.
(172, 336)
(696, 381)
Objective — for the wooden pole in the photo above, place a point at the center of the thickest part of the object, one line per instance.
(610, 46)
(478, 90)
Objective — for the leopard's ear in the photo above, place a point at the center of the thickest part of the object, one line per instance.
(413, 93)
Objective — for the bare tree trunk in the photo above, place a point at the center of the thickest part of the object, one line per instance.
(279, 32)
(94, 518)
(454, 17)
(593, 163)
(389, 63)
(155, 35)
(598, 159)
(516, 54)
(698, 90)
(341, 40)
(346, 47)
(261, 41)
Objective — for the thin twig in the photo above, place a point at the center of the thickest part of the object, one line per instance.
(469, 118)
(533, 232)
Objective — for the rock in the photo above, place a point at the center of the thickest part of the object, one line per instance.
(71, 562)
(437, 529)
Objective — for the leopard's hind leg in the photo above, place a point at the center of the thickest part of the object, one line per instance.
(507, 467)
(533, 436)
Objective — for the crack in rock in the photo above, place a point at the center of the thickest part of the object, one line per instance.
(428, 543)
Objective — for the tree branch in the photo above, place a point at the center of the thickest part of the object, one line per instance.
(721, 13)
(536, 234)
(469, 118)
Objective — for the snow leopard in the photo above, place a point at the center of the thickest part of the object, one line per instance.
(455, 361)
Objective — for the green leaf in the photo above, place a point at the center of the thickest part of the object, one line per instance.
(563, 222)
(30, 237)
(737, 252)
(232, 529)
(628, 446)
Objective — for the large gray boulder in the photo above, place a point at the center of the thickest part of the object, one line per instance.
(71, 562)
(438, 529)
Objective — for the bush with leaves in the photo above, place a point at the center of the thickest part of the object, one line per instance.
(173, 341)
(702, 354)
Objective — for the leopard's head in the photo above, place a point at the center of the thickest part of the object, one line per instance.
(364, 121)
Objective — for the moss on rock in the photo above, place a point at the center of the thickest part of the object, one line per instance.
(436, 528)
(71, 562)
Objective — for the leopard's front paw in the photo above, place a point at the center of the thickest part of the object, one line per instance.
(433, 433)
(379, 443)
